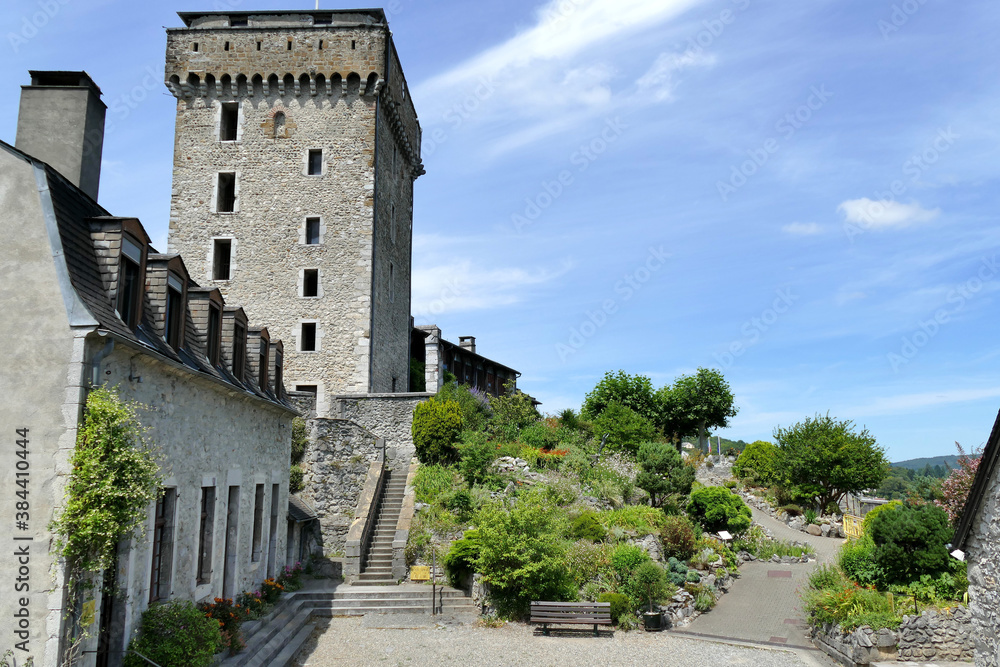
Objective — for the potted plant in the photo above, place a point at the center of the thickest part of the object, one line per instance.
(652, 581)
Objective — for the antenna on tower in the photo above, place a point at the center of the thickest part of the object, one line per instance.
(317, 4)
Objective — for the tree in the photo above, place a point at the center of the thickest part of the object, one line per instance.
(756, 463)
(632, 391)
(625, 427)
(911, 541)
(955, 489)
(696, 403)
(824, 458)
(717, 508)
(663, 472)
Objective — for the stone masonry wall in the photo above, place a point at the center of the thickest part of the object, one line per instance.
(388, 416)
(984, 575)
(335, 465)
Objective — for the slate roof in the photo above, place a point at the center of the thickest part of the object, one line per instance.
(300, 511)
(980, 486)
(72, 209)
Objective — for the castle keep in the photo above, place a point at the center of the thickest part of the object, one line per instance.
(295, 154)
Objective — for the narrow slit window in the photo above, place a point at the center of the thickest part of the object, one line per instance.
(321, 45)
(315, 167)
(308, 337)
(353, 45)
(392, 224)
(258, 523)
(262, 360)
(226, 47)
(258, 46)
(222, 259)
(312, 231)
(279, 376)
(226, 201)
(310, 282)
(289, 45)
(392, 283)
(194, 47)
(229, 121)
(163, 546)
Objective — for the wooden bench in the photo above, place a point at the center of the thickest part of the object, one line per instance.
(579, 613)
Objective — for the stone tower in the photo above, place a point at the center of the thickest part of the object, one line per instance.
(295, 153)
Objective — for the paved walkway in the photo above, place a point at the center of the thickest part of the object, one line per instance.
(763, 605)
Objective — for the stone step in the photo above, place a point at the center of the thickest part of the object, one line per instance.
(265, 657)
(292, 648)
(355, 594)
(415, 609)
(279, 627)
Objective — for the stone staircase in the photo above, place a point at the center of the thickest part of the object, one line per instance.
(377, 562)
(277, 638)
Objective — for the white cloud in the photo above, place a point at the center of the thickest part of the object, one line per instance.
(885, 214)
(557, 66)
(882, 405)
(462, 286)
(802, 228)
(659, 82)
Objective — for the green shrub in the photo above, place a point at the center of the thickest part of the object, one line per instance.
(851, 606)
(832, 508)
(663, 472)
(626, 428)
(540, 436)
(679, 537)
(512, 412)
(705, 599)
(175, 634)
(474, 404)
(436, 426)
(810, 516)
(756, 542)
(826, 576)
(791, 509)
(589, 562)
(910, 541)
(460, 562)
(432, 482)
(640, 519)
(230, 618)
(730, 484)
(522, 557)
(626, 558)
(620, 605)
(867, 522)
(477, 457)
(587, 527)
(296, 479)
(461, 503)
(717, 508)
(857, 560)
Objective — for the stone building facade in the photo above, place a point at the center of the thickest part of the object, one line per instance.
(296, 149)
(978, 534)
(88, 301)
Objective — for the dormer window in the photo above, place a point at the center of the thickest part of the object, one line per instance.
(264, 344)
(239, 350)
(214, 333)
(278, 361)
(130, 282)
(174, 321)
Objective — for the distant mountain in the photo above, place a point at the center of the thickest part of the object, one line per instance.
(919, 464)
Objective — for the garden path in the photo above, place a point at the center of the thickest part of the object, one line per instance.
(763, 605)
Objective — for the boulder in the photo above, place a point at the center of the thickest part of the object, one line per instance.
(825, 529)
(813, 529)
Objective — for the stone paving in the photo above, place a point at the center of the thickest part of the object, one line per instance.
(763, 605)
(367, 641)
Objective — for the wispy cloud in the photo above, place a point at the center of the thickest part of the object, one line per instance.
(462, 286)
(903, 403)
(556, 66)
(802, 229)
(885, 214)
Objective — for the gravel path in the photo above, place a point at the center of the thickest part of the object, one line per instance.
(351, 641)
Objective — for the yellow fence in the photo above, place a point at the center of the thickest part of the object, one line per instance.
(852, 526)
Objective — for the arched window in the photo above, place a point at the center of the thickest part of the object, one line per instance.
(279, 125)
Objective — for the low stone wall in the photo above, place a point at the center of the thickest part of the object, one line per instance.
(335, 466)
(932, 635)
(829, 526)
(388, 416)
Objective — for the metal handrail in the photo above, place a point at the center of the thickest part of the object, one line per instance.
(132, 650)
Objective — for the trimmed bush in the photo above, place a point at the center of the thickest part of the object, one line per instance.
(757, 464)
(436, 426)
(587, 527)
(679, 537)
(175, 634)
(620, 605)
(717, 508)
(650, 581)
(857, 559)
(910, 541)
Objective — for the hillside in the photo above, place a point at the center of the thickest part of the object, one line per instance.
(919, 464)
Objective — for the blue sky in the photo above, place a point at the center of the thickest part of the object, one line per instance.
(800, 194)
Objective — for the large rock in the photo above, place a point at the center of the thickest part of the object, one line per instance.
(813, 529)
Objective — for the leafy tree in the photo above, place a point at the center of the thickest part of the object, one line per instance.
(631, 391)
(521, 555)
(758, 463)
(717, 508)
(824, 458)
(955, 489)
(651, 580)
(696, 403)
(436, 425)
(910, 541)
(662, 472)
(625, 427)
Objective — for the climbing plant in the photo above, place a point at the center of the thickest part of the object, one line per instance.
(115, 477)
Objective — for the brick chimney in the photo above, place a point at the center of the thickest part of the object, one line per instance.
(467, 343)
(61, 122)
